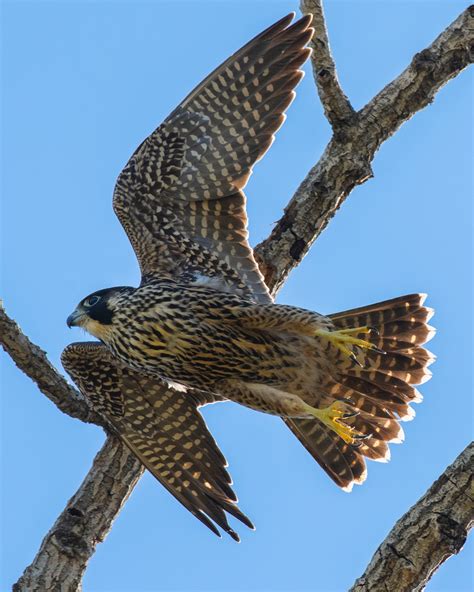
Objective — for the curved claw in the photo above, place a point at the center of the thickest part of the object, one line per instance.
(349, 415)
(358, 440)
(374, 349)
(355, 359)
(360, 437)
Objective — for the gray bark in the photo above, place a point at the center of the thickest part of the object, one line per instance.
(337, 108)
(345, 163)
(86, 520)
(435, 528)
(32, 360)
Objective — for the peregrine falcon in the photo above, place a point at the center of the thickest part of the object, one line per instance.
(202, 326)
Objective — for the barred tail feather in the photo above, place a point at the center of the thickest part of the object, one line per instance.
(342, 462)
(381, 389)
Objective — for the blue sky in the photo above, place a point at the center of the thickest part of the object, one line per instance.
(83, 84)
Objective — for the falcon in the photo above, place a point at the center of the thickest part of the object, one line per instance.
(202, 327)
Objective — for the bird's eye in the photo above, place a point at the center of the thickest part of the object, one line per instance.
(91, 301)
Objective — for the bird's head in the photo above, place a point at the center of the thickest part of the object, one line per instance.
(95, 312)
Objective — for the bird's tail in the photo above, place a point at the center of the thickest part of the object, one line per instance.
(378, 385)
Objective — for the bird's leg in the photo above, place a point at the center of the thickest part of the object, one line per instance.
(343, 339)
(277, 402)
(335, 417)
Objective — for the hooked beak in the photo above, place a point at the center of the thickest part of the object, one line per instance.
(74, 318)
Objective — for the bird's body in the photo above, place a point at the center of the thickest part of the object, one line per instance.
(203, 316)
(278, 359)
(204, 338)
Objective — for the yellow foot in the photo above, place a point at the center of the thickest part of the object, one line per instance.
(343, 339)
(335, 417)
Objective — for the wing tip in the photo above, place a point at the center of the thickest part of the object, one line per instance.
(233, 535)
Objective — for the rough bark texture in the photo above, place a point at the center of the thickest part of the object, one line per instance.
(435, 528)
(337, 107)
(346, 161)
(62, 558)
(33, 361)
(86, 521)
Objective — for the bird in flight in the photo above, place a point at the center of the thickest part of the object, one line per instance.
(202, 326)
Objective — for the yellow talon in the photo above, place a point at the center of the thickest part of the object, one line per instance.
(343, 339)
(334, 418)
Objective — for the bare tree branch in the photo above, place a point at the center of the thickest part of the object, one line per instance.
(435, 528)
(415, 88)
(337, 107)
(33, 361)
(86, 520)
(66, 549)
(344, 164)
(346, 161)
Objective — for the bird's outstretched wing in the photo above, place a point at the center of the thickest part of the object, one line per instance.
(163, 428)
(180, 197)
